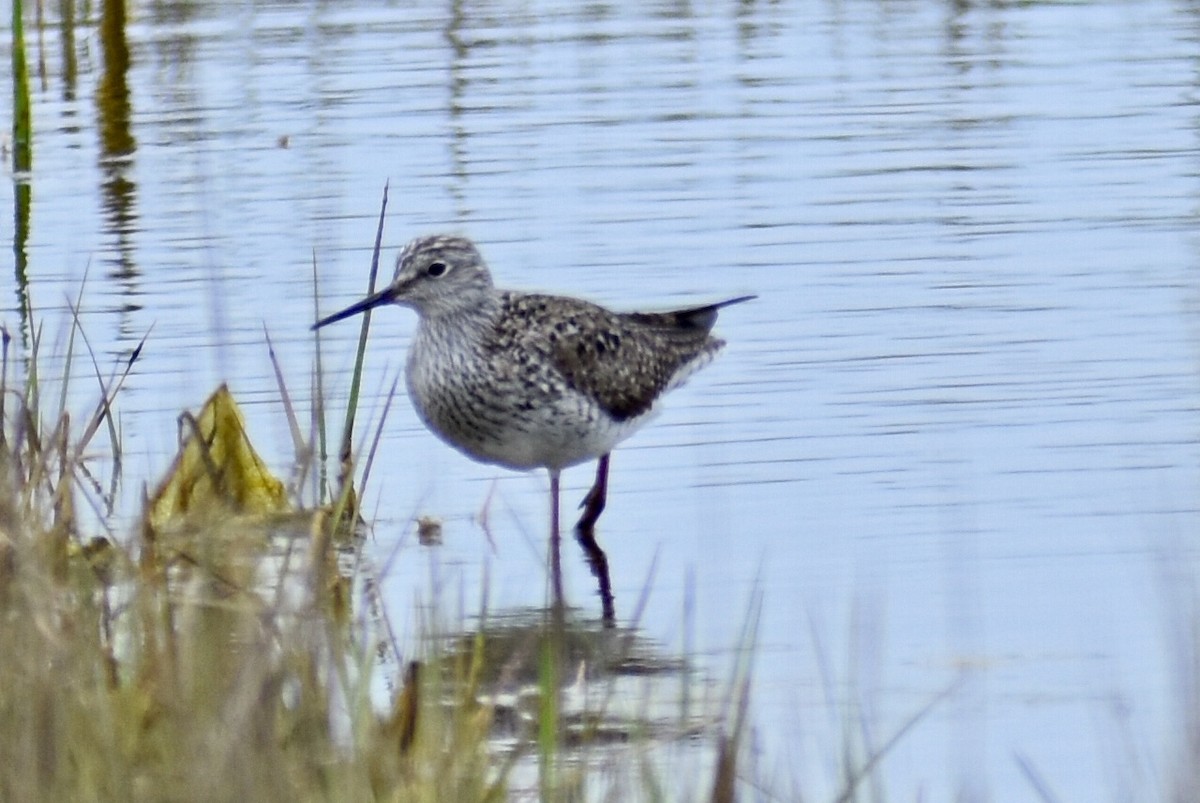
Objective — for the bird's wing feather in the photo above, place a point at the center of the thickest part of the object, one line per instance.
(623, 361)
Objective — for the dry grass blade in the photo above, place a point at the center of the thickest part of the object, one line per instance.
(289, 410)
(729, 746)
(402, 724)
(204, 450)
(33, 392)
(875, 758)
(639, 607)
(318, 392)
(70, 354)
(375, 441)
(103, 414)
(108, 391)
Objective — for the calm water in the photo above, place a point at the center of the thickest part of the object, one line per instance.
(955, 437)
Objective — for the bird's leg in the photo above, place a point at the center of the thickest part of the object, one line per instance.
(593, 503)
(585, 533)
(555, 564)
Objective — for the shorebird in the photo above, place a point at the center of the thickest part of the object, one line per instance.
(525, 380)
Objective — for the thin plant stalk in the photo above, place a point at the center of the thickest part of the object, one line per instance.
(345, 452)
(319, 393)
(22, 139)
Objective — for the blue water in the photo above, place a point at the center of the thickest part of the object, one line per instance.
(953, 441)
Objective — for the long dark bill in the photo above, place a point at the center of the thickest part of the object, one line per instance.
(384, 296)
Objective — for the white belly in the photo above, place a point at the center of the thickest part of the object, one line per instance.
(559, 431)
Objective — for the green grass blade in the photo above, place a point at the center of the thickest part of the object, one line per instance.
(356, 380)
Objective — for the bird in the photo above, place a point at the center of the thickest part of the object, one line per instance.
(527, 380)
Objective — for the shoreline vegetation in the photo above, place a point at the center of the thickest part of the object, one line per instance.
(234, 647)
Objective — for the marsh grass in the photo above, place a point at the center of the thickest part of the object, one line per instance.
(227, 656)
(219, 659)
(230, 659)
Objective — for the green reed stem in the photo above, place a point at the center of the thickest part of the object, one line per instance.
(356, 380)
(22, 122)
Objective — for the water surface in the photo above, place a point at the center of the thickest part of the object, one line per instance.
(955, 434)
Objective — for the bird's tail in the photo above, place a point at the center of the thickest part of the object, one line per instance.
(701, 318)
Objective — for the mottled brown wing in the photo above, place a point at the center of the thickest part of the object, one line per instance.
(624, 361)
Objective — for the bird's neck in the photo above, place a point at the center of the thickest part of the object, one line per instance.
(462, 321)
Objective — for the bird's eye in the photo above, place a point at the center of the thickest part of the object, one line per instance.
(436, 269)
